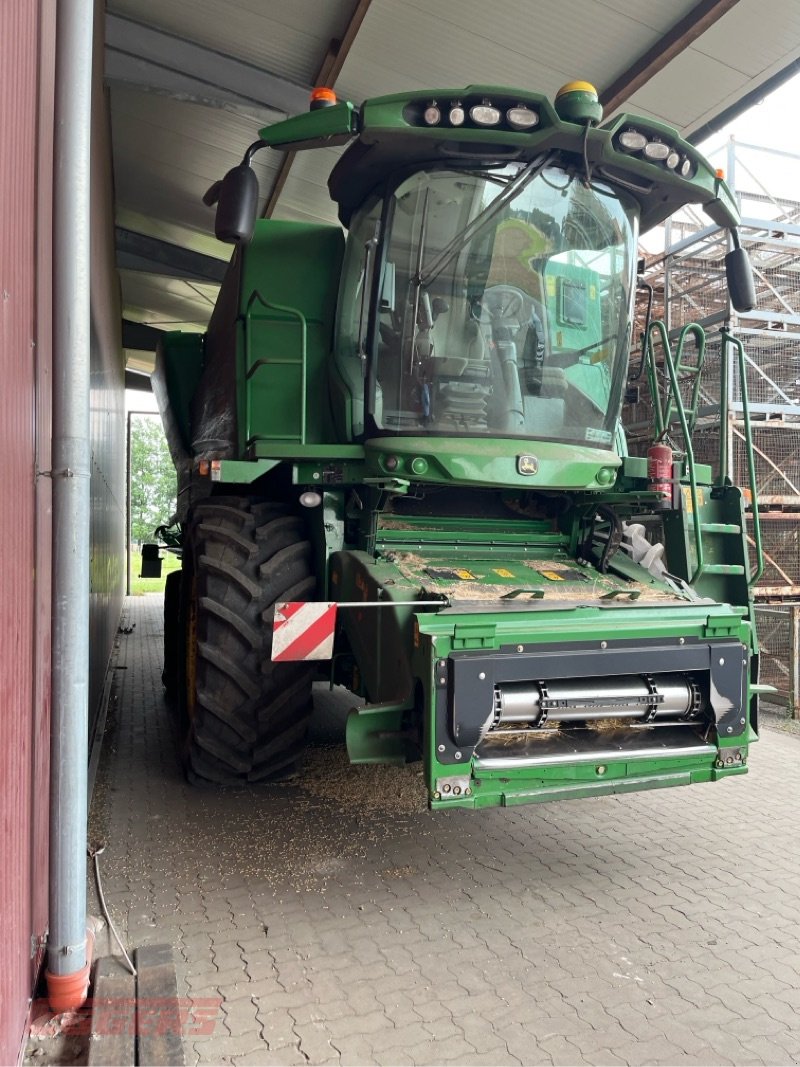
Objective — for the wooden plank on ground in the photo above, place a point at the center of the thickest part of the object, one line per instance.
(158, 1017)
(113, 1036)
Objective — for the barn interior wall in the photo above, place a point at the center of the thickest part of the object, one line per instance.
(23, 570)
(43, 548)
(107, 396)
(27, 63)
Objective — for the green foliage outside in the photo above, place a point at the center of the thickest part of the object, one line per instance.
(153, 489)
(153, 479)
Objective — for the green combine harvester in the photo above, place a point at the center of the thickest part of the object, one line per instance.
(402, 466)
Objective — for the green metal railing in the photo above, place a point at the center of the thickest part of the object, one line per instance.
(252, 367)
(728, 338)
(673, 401)
(673, 406)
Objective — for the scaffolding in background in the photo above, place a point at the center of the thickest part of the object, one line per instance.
(687, 276)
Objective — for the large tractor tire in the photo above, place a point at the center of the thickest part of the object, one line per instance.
(172, 602)
(243, 717)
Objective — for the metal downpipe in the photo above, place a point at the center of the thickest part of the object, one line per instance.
(67, 951)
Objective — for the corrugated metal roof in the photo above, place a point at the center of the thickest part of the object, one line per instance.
(168, 150)
(456, 42)
(750, 44)
(286, 39)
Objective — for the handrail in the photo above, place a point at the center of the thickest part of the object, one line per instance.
(728, 338)
(659, 326)
(674, 399)
(251, 368)
(662, 425)
(663, 415)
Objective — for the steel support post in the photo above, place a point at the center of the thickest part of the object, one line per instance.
(67, 947)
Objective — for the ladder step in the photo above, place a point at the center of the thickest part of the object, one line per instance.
(720, 527)
(723, 568)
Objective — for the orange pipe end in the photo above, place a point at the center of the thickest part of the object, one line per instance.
(67, 992)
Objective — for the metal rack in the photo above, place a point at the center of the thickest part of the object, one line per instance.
(688, 279)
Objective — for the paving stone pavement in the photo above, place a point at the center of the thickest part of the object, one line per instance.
(331, 919)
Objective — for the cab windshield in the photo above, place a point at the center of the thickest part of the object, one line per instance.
(503, 304)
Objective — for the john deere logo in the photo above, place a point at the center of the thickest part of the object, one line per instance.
(527, 464)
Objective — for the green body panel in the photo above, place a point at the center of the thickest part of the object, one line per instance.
(723, 522)
(634, 472)
(493, 461)
(181, 358)
(315, 463)
(287, 310)
(593, 773)
(388, 116)
(323, 127)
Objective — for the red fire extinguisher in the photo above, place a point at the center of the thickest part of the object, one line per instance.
(659, 473)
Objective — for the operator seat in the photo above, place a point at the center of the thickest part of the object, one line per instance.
(458, 343)
(460, 369)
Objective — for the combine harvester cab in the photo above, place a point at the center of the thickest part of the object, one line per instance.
(401, 463)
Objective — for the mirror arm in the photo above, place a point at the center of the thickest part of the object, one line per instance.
(256, 146)
(211, 196)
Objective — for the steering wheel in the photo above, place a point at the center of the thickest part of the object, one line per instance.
(502, 302)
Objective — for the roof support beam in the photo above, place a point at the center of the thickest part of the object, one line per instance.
(137, 251)
(329, 71)
(160, 62)
(675, 41)
(138, 382)
(140, 336)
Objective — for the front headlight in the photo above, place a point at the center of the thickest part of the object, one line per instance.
(521, 118)
(632, 140)
(656, 150)
(484, 114)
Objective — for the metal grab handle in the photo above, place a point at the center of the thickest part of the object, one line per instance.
(251, 368)
(728, 338)
(661, 416)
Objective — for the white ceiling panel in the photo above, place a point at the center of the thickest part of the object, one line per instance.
(680, 108)
(288, 39)
(166, 303)
(449, 44)
(746, 47)
(169, 149)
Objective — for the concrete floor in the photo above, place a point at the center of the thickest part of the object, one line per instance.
(332, 919)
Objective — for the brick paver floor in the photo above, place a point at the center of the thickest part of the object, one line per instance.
(335, 920)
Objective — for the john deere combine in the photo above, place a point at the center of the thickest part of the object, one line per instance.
(402, 466)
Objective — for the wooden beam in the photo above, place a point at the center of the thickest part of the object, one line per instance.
(675, 41)
(328, 72)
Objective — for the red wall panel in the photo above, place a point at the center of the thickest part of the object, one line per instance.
(27, 63)
(42, 399)
(25, 187)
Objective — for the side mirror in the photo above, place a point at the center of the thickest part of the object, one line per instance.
(739, 273)
(236, 197)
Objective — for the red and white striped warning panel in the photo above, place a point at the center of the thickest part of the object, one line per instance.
(303, 631)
